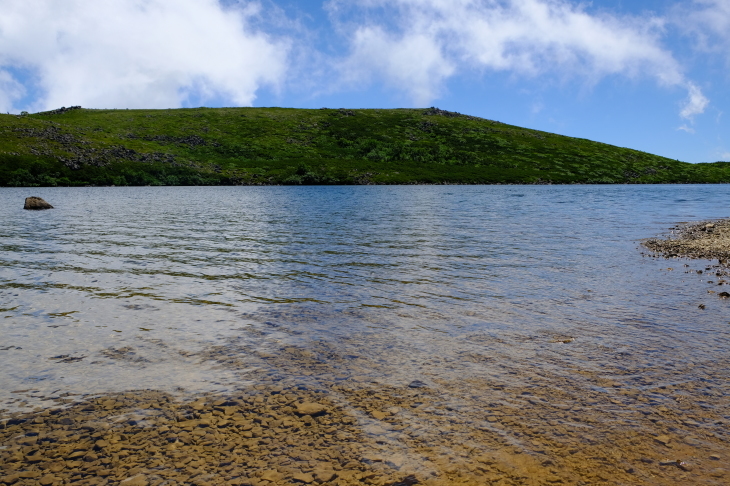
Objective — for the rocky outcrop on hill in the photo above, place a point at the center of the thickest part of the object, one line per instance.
(62, 110)
(191, 141)
(79, 153)
(102, 158)
(433, 111)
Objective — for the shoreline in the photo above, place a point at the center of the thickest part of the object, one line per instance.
(706, 240)
(394, 184)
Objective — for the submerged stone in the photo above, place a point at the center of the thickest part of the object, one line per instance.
(312, 409)
(138, 480)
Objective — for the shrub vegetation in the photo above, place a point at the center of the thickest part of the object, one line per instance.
(263, 146)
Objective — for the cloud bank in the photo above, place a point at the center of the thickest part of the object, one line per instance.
(135, 53)
(417, 45)
(170, 53)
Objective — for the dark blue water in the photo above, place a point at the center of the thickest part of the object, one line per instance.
(391, 272)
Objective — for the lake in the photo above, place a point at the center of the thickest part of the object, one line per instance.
(516, 311)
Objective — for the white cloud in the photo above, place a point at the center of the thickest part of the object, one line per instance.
(695, 104)
(417, 45)
(415, 61)
(686, 128)
(137, 53)
(708, 21)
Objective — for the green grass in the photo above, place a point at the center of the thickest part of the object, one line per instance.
(263, 146)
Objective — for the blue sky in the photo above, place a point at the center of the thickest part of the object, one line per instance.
(645, 74)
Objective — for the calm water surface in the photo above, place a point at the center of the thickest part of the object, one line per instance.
(128, 288)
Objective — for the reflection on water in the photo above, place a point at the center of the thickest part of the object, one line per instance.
(504, 295)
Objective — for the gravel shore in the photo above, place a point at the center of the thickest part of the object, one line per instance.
(708, 240)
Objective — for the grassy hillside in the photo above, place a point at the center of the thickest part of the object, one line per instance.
(294, 146)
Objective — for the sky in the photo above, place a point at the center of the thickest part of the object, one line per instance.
(652, 75)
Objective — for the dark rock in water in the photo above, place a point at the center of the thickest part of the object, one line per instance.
(407, 481)
(36, 203)
(65, 358)
(724, 295)
(417, 384)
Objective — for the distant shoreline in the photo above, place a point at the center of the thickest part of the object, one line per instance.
(403, 184)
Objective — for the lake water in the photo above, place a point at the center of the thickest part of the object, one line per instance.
(189, 290)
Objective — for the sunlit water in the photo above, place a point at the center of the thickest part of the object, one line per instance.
(129, 288)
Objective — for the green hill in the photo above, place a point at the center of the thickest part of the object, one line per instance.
(75, 146)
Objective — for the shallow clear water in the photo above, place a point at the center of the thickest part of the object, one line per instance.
(153, 287)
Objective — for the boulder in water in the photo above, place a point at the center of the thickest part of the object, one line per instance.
(36, 203)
